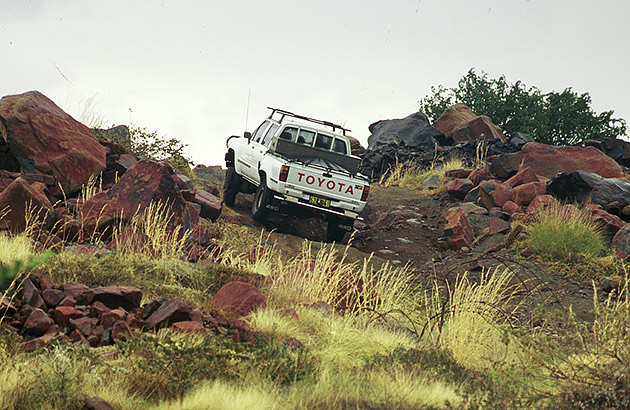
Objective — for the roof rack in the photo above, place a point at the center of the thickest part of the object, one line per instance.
(284, 113)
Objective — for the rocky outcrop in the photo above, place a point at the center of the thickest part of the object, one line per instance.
(41, 137)
(21, 198)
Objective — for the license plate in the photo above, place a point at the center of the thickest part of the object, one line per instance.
(315, 200)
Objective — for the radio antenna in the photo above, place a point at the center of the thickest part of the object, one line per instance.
(249, 94)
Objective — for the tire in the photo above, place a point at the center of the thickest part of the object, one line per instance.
(261, 200)
(333, 232)
(231, 186)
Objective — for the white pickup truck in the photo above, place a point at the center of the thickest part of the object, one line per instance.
(294, 162)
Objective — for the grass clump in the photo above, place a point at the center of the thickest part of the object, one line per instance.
(566, 231)
(412, 176)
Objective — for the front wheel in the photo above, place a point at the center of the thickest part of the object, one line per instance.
(231, 186)
(261, 200)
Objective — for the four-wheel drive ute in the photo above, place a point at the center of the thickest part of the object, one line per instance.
(296, 162)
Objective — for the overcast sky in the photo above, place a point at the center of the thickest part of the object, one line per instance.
(185, 68)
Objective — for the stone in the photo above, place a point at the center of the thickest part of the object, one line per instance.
(457, 173)
(74, 289)
(238, 299)
(472, 196)
(458, 231)
(109, 318)
(529, 251)
(52, 297)
(355, 146)
(496, 213)
(582, 187)
(169, 312)
(478, 175)
(121, 331)
(610, 223)
(497, 225)
(541, 202)
(519, 139)
(621, 242)
(30, 295)
(505, 165)
(493, 194)
(608, 284)
(42, 138)
(84, 324)
(413, 130)
(511, 207)
(190, 326)
(63, 314)
(469, 207)
(126, 297)
(20, 198)
(38, 323)
(146, 182)
(524, 194)
(210, 204)
(547, 160)
(459, 188)
(523, 176)
(431, 182)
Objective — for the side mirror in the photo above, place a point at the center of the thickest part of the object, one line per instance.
(248, 135)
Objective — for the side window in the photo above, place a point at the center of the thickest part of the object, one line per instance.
(257, 137)
(340, 146)
(306, 137)
(269, 134)
(289, 133)
(323, 141)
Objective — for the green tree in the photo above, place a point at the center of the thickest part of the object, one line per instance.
(564, 118)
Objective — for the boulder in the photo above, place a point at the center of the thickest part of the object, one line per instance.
(210, 204)
(497, 225)
(237, 299)
(414, 130)
(169, 312)
(616, 148)
(126, 297)
(541, 202)
(523, 176)
(355, 146)
(38, 323)
(42, 138)
(478, 175)
(458, 231)
(525, 193)
(547, 160)
(505, 165)
(519, 139)
(20, 197)
(621, 242)
(461, 124)
(494, 194)
(610, 223)
(145, 182)
(511, 207)
(458, 188)
(582, 187)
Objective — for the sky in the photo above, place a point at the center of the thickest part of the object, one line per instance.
(201, 71)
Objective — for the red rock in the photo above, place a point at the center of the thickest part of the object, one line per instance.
(168, 313)
(97, 403)
(68, 301)
(144, 183)
(289, 312)
(469, 207)
(52, 297)
(42, 341)
(30, 295)
(523, 176)
(525, 193)
(194, 210)
(77, 337)
(109, 318)
(461, 124)
(47, 140)
(478, 175)
(67, 228)
(84, 324)
(458, 188)
(547, 160)
(237, 299)
(621, 243)
(134, 322)
(497, 225)
(19, 197)
(456, 116)
(126, 297)
(611, 223)
(38, 323)
(74, 289)
(210, 204)
(494, 194)
(511, 207)
(457, 173)
(458, 231)
(121, 331)
(63, 314)
(541, 202)
(190, 326)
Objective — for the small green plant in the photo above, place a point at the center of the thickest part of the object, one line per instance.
(565, 231)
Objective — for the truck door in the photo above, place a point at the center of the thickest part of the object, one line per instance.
(252, 153)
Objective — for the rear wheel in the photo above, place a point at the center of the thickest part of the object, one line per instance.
(335, 233)
(231, 186)
(261, 200)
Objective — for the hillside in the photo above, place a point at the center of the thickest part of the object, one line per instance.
(487, 272)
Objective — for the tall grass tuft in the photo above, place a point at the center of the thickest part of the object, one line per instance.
(566, 231)
(412, 176)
